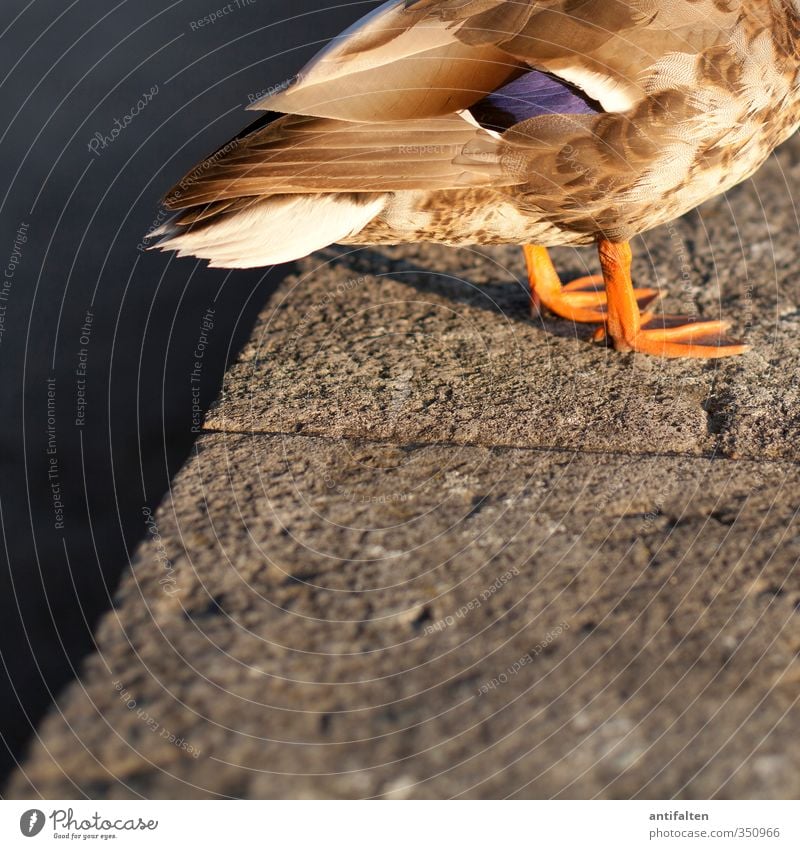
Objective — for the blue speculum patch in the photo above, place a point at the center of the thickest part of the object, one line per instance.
(531, 95)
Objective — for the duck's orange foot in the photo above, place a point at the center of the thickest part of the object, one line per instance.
(666, 336)
(582, 300)
(678, 336)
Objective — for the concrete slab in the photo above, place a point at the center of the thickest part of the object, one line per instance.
(427, 547)
(318, 617)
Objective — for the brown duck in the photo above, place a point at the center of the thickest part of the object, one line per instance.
(531, 122)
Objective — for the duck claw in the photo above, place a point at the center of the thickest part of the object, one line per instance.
(584, 300)
(679, 336)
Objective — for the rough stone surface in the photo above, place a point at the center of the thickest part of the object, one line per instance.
(428, 547)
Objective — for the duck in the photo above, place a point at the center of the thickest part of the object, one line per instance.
(538, 123)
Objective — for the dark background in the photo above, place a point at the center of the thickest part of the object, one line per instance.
(67, 71)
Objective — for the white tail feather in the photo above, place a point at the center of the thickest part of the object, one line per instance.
(280, 229)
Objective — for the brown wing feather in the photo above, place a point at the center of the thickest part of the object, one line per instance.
(299, 155)
(394, 64)
(687, 85)
(431, 57)
(623, 41)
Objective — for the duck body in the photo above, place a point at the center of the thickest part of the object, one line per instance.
(484, 122)
(701, 116)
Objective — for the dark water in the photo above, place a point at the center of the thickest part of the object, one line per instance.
(99, 339)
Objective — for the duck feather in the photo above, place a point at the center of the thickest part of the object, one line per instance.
(685, 98)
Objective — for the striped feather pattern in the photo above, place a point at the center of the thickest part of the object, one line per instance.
(617, 116)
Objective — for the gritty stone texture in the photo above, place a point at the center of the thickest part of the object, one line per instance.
(428, 547)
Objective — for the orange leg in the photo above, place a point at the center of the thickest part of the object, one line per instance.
(581, 300)
(675, 336)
